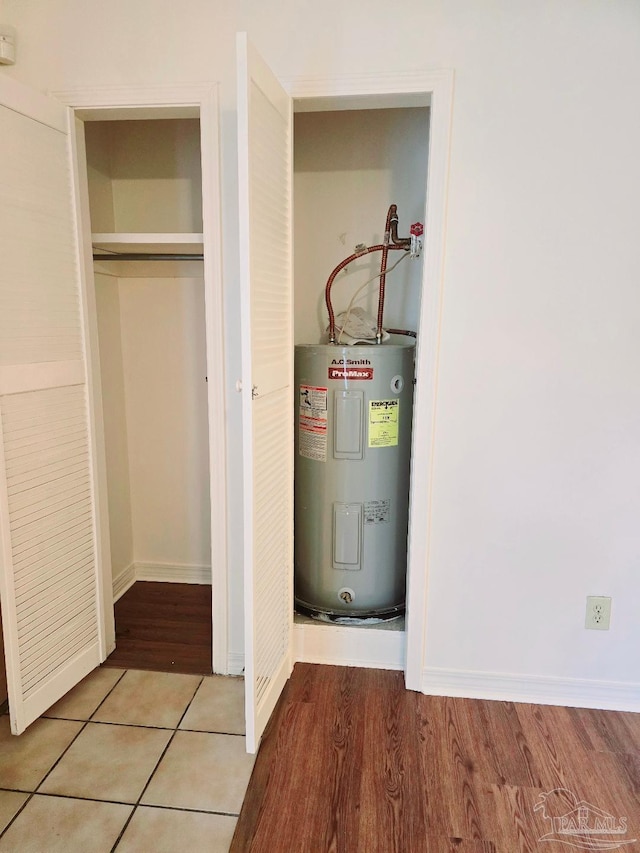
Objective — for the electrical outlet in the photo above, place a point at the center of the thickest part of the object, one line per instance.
(598, 612)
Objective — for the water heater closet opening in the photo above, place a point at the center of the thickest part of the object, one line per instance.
(353, 445)
(354, 367)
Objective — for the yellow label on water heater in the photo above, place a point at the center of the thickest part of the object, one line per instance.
(383, 423)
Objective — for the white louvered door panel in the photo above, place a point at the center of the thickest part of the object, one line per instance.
(48, 580)
(265, 182)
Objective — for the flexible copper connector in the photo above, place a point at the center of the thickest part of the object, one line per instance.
(392, 212)
(391, 242)
(331, 279)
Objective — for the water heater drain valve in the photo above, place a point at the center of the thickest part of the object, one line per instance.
(346, 595)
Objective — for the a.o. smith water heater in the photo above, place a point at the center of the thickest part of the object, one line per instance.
(353, 446)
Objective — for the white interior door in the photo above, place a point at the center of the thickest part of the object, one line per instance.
(265, 183)
(48, 572)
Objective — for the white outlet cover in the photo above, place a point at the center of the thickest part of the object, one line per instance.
(598, 612)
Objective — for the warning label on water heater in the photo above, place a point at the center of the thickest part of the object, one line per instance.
(383, 423)
(312, 423)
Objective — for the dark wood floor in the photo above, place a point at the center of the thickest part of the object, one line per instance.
(351, 761)
(164, 627)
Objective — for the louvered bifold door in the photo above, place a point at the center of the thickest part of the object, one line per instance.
(48, 583)
(264, 145)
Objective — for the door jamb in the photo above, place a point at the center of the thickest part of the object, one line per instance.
(205, 99)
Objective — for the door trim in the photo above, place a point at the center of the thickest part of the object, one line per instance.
(173, 101)
(437, 87)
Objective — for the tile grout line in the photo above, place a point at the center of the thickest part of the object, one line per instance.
(147, 728)
(85, 799)
(104, 699)
(19, 812)
(157, 764)
(83, 727)
(119, 725)
(55, 764)
(98, 706)
(60, 757)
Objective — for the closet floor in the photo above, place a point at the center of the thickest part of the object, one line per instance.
(164, 627)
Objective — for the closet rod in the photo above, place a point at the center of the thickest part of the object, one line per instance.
(141, 256)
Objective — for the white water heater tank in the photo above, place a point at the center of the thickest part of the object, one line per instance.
(352, 450)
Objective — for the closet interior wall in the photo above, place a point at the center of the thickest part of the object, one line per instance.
(144, 178)
(349, 166)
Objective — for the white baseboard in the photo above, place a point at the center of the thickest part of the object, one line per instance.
(172, 573)
(235, 662)
(340, 646)
(162, 572)
(343, 646)
(123, 581)
(540, 690)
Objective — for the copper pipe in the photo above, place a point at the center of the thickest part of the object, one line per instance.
(405, 242)
(327, 290)
(383, 270)
(341, 266)
(391, 242)
(407, 332)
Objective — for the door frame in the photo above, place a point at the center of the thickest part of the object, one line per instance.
(162, 102)
(404, 89)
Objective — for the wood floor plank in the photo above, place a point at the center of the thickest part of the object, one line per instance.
(164, 627)
(609, 731)
(392, 816)
(448, 770)
(516, 766)
(341, 730)
(353, 763)
(545, 745)
(254, 804)
(613, 786)
(433, 844)
(318, 733)
(568, 765)
(514, 823)
(294, 786)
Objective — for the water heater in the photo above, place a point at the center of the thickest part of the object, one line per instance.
(353, 446)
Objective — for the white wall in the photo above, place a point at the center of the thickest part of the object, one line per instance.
(98, 147)
(163, 352)
(153, 369)
(115, 422)
(156, 175)
(349, 166)
(145, 176)
(537, 456)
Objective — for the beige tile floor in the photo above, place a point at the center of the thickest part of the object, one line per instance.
(129, 761)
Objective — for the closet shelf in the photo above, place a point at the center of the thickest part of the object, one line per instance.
(155, 244)
(178, 245)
